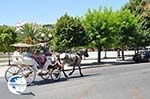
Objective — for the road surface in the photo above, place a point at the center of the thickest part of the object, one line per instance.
(129, 81)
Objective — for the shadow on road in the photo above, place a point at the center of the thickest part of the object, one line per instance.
(49, 81)
(88, 75)
(106, 64)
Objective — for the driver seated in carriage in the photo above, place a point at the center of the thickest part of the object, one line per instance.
(39, 57)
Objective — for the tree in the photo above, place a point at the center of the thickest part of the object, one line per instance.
(100, 26)
(127, 29)
(69, 33)
(7, 37)
(28, 33)
(133, 6)
(145, 30)
(141, 9)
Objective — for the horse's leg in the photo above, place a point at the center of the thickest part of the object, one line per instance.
(80, 70)
(79, 64)
(64, 73)
(62, 68)
(74, 66)
(72, 70)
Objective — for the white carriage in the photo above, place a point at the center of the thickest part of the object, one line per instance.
(29, 67)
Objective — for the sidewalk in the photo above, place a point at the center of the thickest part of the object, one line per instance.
(88, 63)
(2, 71)
(92, 63)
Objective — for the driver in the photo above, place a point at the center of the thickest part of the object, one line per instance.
(36, 56)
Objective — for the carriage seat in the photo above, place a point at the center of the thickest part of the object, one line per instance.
(21, 60)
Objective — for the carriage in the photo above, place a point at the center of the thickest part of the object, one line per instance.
(31, 65)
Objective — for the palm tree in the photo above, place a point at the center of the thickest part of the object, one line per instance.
(145, 5)
(138, 7)
(28, 33)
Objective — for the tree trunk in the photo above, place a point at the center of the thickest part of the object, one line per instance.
(138, 50)
(145, 48)
(105, 53)
(99, 54)
(134, 51)
(8, 58)
(122, 53)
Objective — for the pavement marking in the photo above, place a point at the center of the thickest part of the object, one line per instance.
(136, 93)
(85, 92)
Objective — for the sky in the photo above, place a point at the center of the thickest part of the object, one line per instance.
(48, 11)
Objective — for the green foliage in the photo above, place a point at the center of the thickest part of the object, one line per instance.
(100, 26)
(68, 33)
(7, 37)
(145, 31)
(46, 31)
(133, 6)
(127, 25)
(28, 33)
(141, 8)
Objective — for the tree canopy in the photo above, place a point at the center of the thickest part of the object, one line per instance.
(127, 25)
(69, 33)
(110, 29)
(7, 37)
(141, 8)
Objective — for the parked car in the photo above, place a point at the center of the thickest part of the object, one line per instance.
(142, 57)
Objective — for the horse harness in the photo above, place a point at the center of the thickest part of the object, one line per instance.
(78, 55)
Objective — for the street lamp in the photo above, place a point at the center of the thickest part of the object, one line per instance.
(42, 34)
(50, 35)
(45, 38)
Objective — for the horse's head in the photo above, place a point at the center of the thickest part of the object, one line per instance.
(84, 52)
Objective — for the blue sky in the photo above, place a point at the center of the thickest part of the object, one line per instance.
(48, 11)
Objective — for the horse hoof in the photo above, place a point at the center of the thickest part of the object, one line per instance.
(66, 77)
(81, 75)
(70, 74)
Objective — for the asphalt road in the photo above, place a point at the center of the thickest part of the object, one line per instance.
(130, 81)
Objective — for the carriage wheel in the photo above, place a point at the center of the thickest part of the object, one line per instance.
(56, 74)
(28, 73)
(11, 71)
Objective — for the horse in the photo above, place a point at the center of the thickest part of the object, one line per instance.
(73, 59)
